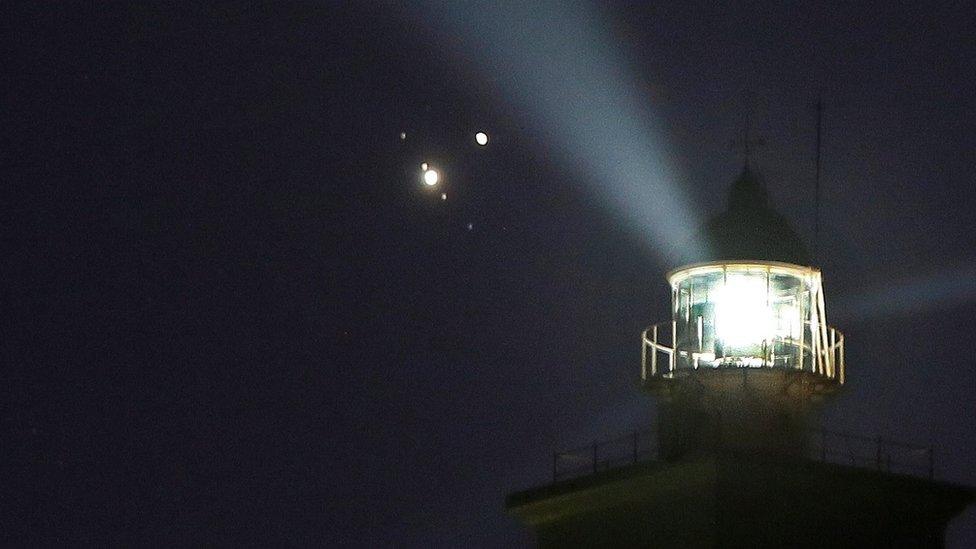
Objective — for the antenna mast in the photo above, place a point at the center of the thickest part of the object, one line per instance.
(816, 189)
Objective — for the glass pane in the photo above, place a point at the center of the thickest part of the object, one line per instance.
(743, 316)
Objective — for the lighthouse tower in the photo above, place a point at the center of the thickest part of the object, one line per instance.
(738, 371)
(747, 352)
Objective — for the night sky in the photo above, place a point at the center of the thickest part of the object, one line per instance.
(233, 314)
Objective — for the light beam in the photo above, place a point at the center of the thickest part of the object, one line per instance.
(560, 62)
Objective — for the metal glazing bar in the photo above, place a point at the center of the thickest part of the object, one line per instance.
(700, 327)
(803, 329)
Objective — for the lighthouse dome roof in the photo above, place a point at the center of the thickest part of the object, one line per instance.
(749, 229)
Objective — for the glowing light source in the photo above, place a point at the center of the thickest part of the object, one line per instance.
(749, 314)
(431, 177)
(742, 313)
(443, 196)
(481, 138)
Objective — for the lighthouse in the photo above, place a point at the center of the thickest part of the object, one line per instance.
(739, 372)
(747, 353)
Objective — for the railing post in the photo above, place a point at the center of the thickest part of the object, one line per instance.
(654, 350)
(822, 320)
(644, 356)
(831, 364)
(674, 346)
(842, 360)
(842, 366)
(595, 446)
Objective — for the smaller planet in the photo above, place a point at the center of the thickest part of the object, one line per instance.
(481, 138)
(443, 196)
(423, 166)
(431, 177)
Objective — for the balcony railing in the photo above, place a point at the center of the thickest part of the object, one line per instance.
(662, 360)
(838, 447)
(635, 447)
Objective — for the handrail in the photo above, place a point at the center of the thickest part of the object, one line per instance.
(634, 447)
(827, 446)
